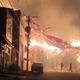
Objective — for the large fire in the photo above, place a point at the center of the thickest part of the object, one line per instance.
(45, 45)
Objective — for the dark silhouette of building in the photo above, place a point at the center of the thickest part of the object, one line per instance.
(15, 34)
(6, 25)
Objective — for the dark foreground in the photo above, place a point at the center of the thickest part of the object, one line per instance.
(44, 76)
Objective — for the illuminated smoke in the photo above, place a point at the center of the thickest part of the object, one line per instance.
(63, 16)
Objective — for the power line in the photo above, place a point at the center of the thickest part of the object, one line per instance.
(14, 13)
(10, 4)
(14, 20)
(1, 4)
(17, 16)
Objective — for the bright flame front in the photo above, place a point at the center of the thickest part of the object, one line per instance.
(45, 45)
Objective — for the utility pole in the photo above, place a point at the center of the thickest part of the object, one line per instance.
(28, 30)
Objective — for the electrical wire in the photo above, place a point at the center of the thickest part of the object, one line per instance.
(1, 4)
(15, 14)
(14, 19)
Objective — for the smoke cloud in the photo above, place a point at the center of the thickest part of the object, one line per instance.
(62, 16)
